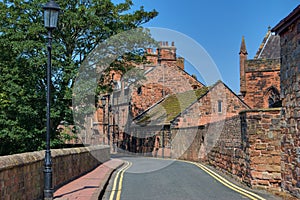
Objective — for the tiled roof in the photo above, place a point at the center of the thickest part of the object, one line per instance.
(269, 48)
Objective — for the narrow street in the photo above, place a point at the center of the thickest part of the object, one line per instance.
(150, 178)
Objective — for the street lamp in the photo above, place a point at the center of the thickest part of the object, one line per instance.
(108, 120)
(103, 102)
(51, 10)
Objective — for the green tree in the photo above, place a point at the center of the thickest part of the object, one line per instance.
(82, 26)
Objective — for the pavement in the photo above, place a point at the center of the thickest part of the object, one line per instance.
(90, 185)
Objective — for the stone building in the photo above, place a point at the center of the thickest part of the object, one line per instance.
(164, 75)
(259, 77)
(155, 122)
(186, 110)
(217, 104)
(289, 31)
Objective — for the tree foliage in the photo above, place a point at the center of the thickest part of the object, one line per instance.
(82, 25)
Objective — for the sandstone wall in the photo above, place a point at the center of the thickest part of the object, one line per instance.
(260, 75)
(261, 143)
(290, 91)
(217, 104)
(247, 145)
(160, 81)
(22, 177)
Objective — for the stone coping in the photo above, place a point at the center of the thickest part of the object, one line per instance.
(11, 161)
(260, 110)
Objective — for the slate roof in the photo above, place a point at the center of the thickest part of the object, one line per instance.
(169, 107)
(269, 48)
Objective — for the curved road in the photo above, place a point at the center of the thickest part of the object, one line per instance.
(149, 178)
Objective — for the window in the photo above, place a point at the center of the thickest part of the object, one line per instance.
(219, 106)
(273, 97)
(139, 90)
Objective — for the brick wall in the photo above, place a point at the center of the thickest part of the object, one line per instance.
(21, 175)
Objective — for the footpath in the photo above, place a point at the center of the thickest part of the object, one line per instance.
(90, 185)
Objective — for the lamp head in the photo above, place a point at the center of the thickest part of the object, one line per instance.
(51, 10)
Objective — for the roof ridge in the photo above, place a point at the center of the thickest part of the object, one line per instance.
(263, 44)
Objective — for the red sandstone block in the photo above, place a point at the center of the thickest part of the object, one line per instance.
(274, 168)
(257, 175)
(267, 168)
(276, 176)
(266, 125)
(267, 176)
(270, 148)
(294, 182)
(276, 159)
(261, 146)
(258, 160)
(263, 182)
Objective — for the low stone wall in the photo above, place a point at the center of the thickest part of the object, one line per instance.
(261, 143)
(222, 154)
(186, 143)
(213, 142)
(247, 146)
(22, 177)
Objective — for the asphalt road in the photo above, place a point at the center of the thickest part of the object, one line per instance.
(148, 178)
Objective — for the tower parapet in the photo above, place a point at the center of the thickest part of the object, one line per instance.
(164, 54)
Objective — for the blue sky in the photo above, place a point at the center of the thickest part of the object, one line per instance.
(218, 26)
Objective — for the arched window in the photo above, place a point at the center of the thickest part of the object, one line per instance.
(273, 97)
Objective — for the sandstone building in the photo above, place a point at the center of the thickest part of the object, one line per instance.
(164, 75)
(259, 77)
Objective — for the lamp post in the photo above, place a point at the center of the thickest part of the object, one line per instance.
(108, 120)
(51, 10)
(103, 102)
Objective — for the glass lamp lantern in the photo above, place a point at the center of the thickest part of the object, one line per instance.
(51, 11)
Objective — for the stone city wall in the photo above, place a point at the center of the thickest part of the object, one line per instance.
(261, 143)
(290, 90)
(247, 146)
(22, 177)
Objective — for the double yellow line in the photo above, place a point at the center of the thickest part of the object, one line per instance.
(118, 190)
(117, 186)
(228, 184)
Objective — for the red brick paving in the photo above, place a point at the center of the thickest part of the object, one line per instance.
(90, 185)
